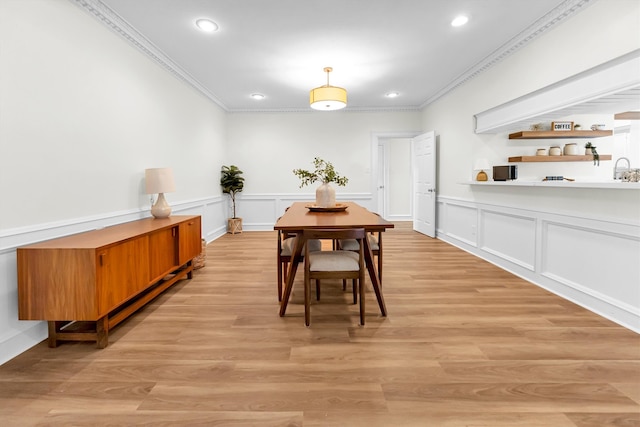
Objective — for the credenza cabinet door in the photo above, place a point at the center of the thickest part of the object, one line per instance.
(56, 284)
(190, 240)
(122, 272)
(163, 252)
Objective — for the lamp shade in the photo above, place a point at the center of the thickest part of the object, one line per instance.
(328, 98)
(159, 180)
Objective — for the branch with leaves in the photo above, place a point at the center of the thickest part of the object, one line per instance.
(323, 172)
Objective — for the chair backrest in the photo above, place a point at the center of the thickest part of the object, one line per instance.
(331, 233)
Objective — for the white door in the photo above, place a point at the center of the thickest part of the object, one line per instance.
(423, 155)
(382, 177)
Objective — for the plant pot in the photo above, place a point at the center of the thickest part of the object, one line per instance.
(325, 196)
(234, 225)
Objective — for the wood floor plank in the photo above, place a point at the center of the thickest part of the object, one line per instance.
(172, 418)
(438, 419)
(508, 397)
(465, 344)
(631, 419)
(349, 398)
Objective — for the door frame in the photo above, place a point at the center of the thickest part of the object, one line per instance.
(375, 141)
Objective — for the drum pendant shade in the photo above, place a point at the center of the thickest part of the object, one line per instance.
(327, 98)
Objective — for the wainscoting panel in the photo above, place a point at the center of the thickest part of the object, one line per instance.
(462, 222)
(257, 213)
(508, 236)
(589, 261)
(441, 217)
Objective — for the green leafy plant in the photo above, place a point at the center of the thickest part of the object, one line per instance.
(232, 183)
(596, 156)
(324, 172)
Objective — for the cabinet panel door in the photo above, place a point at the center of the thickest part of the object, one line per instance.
(123, 271)
(190, 239)
(56, 284)
(163, 252)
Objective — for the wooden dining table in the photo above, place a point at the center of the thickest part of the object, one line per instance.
(303, 215)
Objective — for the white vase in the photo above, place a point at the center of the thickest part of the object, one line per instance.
(325, 196)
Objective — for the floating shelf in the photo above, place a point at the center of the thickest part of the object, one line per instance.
(614, 185)
(588, 158)
(627, 115)
(550, 134)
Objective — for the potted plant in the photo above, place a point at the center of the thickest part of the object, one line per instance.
(232, 183)
(325, 173)
(589, 148)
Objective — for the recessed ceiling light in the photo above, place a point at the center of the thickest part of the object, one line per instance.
(459, 21)
(392, 95)
(207, 25)
(257, 96)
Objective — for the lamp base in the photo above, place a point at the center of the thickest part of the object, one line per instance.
(482, 176)
(161, 208)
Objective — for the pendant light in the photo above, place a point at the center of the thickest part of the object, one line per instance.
(328, 97)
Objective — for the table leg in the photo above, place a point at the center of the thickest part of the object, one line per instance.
(291, 274)
(373, 274)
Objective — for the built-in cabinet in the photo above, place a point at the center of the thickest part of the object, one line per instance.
(87, 283)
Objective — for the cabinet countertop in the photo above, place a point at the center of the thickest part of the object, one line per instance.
(614, 185)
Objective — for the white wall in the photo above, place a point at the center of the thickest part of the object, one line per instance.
(468, 214)
(268, 146)
(527, 70)
(283, 142)
(82, 114)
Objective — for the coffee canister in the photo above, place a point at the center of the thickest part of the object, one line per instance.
(555, 151)
(541, 152)
(571, 149)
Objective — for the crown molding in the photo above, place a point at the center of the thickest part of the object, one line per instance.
(344, 110)
(115, 23)
(559, 14)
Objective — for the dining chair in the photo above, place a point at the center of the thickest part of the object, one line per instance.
(375, 242)
(286, 245)
(334, 264)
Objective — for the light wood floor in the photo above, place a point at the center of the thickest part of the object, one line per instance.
(464, 344)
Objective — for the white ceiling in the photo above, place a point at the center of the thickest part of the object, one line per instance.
(280, 47)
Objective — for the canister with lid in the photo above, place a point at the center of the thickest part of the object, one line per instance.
(555, 151)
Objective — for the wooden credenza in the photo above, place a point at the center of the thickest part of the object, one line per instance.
(87, 283)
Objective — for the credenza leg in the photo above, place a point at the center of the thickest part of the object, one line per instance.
(53, 333)
(190, 266)
(102, 332)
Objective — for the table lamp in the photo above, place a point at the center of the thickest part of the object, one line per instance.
(481, 164)
(160, 181)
